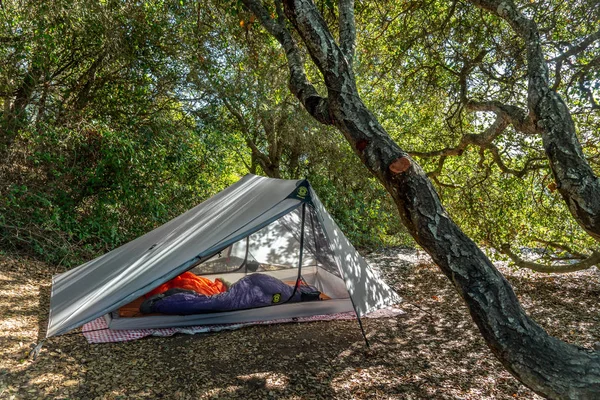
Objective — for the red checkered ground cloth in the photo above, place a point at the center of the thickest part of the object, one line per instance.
(97, 330)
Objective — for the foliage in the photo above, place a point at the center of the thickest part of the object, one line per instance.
(83, 192)
(423, 65)
(103, 151)
(116, 116)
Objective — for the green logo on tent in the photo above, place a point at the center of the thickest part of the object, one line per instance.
(276, 297)
(302, 192)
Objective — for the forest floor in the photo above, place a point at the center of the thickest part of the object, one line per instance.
(433, 351)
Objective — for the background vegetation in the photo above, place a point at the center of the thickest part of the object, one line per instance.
(116, 116)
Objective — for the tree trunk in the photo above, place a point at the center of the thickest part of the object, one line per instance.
(16, 118)
(253, 164)
(545, 364)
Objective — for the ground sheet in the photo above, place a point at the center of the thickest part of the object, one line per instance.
(97, 331)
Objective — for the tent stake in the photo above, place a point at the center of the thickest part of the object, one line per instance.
(36, 350)
(301, 244)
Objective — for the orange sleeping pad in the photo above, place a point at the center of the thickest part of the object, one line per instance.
(191, 281)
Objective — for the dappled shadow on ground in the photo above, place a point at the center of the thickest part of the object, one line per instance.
(433, 351)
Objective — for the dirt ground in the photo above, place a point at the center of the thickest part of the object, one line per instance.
(433, 351)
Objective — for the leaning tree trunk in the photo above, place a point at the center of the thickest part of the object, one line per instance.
(545, 364)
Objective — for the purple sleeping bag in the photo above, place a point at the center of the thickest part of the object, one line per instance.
(256, 290)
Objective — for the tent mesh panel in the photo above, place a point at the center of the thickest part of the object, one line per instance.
(275, 250)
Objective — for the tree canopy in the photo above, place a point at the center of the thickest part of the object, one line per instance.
(117, 116)
(447, 81)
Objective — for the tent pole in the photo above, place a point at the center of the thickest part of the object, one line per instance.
(36, 350)
(301, 251)
(300, 255)
(246, 255)
(301, 241)
(362, 330)
(360, 324)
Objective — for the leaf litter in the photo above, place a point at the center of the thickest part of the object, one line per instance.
(432, 351)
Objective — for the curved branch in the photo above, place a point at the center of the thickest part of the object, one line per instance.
(466, 70)
(372, 144)
(236, 113)
(485, 142)
(581, 80)
(438, 169)
(501, 79)
(300, 86)
(517, 117)
(589, 94)
(482, 140)
(505, 114)
(269, 167)
(592, 260)
(573, 50)
(562, 247)
(557, 75)
(507, 170)
(576, 181)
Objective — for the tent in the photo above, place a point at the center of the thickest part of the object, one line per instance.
(258, 225)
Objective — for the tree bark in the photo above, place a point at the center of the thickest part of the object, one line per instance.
(588, 262)
(547, 365)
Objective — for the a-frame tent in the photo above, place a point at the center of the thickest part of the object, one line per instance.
(273, 226)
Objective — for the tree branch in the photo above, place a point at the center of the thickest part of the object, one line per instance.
(504, 168)
(516, 116)
(316, 36)
(299, 84)
(268, 166)
(371, 143)
(593, 259)
(438, 169)
(573, 50)
(347, 29)
(557, 74)
(581, 76)
(589, 94)
(481, 140)
(562, 247)
(236, 113)
(465, 71)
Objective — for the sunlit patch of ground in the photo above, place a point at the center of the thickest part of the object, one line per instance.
(432, 351)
